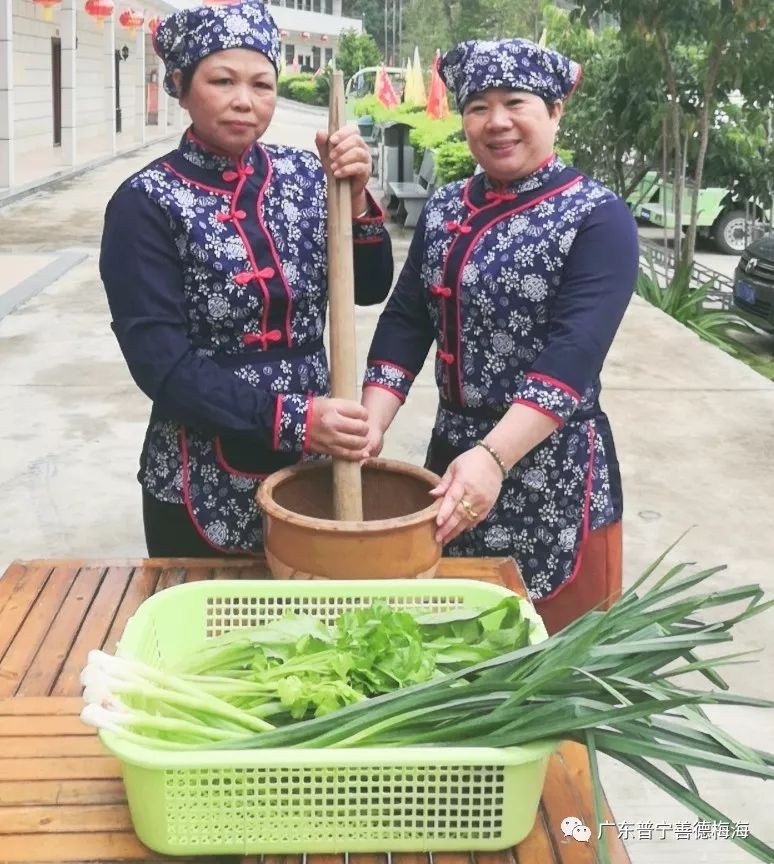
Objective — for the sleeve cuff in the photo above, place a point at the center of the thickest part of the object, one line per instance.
(388, 376)
(548, 395)
(291, 422)
(369, 229)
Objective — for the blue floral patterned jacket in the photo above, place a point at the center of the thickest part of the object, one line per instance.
(522, 291)
(216, 277)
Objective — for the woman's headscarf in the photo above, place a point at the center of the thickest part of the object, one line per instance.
(186, 37)
(514, 64)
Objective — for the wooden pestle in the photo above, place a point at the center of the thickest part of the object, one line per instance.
(347, 485)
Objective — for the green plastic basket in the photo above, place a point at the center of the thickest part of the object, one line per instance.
(317, 801)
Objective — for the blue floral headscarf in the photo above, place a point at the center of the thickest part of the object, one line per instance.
(514, 64)
(186, 37)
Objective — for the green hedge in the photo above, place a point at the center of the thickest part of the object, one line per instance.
(453, 161)
(304, 88)
(426, 132)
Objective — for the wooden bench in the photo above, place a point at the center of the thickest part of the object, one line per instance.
(61, 796)
(408, 199)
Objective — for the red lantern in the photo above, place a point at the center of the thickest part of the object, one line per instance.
(323, 38)
(153, 25)
(305, 35)
(99, 9)
(221, 2)
(131, 20)
(283, 34)
(47, 7)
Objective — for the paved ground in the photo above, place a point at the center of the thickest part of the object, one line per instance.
(694, 431)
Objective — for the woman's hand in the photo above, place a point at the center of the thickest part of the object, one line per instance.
(375, 441)
(470, 487)
(339, 427)
(346, 155)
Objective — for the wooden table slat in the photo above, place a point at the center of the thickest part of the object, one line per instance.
(94, 630)
(99, 846)
(538, 845)
(41, 793)
(33, 629)
(21, 593)
(409, 858)
(505, 857)
(13, 575)
(60, 768)
(57, 642)
(142, 584)
(452, 858)
(34, 746)
(66, 819)
(40, 706)
(17, 725)
(561, 800)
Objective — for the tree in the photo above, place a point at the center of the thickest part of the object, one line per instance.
(356, 51)
(612, 124)
(372, 14)
(704, 50)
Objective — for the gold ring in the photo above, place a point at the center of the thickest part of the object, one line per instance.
(469, 511)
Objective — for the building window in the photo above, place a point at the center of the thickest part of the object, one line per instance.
(290, 53)
(315, 58)
(328, 55)
(329, 7)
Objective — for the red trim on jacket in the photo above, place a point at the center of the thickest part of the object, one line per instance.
(223, 463)
(541, 410)
(411, 375)
(395, 393)
(272, 248)
(307, 423)
(554, 382)
(189, 506)
(277, 419)
(370, 220)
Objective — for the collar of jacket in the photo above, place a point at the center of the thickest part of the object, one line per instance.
(541, 176)
(205, 166)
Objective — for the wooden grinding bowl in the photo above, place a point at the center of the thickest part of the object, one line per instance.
(395, 539)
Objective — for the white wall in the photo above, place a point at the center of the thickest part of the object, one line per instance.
(33, 104)
(89, 79)
(32, 98)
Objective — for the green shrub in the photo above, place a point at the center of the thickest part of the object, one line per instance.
(372, 106)
(565, 155)
(453, 161)
(304, 91)
(429, 134)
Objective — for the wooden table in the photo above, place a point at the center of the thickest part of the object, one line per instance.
(61, 796)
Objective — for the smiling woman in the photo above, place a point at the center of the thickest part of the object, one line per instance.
(520, 276)
(214, 262)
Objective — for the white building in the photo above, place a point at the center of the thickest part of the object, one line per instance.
(310, 29)
(75, 90)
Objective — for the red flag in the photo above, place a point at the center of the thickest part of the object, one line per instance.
(385, 92)
(437, 101)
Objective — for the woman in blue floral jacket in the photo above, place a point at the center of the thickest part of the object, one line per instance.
(520, 276)
(214, 262)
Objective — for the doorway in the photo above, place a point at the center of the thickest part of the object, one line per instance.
(117, 62)
(56, 88)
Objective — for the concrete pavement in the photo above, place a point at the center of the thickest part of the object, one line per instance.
(693, 429)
